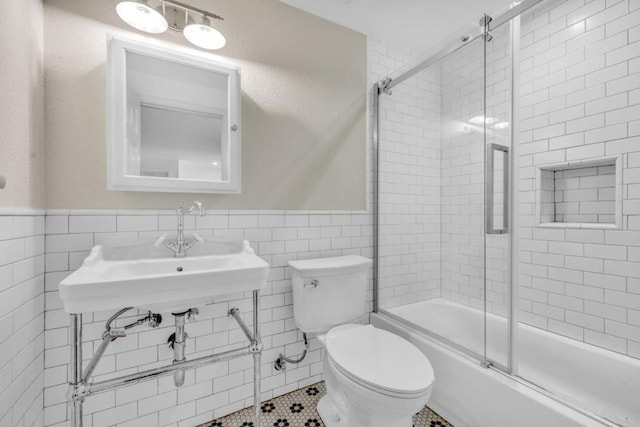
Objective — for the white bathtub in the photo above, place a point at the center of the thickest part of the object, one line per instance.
(601, 381)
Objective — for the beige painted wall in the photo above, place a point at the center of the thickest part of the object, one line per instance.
(303, 107)
(21, 104)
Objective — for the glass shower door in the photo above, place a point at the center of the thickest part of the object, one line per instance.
(462, 200)
(441, 269)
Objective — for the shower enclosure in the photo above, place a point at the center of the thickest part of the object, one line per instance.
(508, 200)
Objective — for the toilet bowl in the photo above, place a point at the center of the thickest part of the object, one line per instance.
(373, 377)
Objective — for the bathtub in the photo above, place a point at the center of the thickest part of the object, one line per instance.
(590, 379)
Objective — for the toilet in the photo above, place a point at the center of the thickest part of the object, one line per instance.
(374, 378)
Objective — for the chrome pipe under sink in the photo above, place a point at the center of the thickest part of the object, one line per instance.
(178, 342)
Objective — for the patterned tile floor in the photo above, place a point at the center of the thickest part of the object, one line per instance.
(298, 409)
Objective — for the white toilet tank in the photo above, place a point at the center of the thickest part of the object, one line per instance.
(328, 291)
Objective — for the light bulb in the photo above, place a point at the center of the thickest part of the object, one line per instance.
(142, 17)
(204, 35)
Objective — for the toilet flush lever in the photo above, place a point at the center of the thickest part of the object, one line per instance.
(313, 284)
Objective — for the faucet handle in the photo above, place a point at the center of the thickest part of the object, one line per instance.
(198, 237)
(160, 240)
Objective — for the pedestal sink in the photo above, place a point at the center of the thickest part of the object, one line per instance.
(175, 276)
(138, 274)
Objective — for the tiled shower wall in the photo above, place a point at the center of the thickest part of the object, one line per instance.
(580, 100)
(409, 182)
(21, 319)
(214, 390)
(463, 175)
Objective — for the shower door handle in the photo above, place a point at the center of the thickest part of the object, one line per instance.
(492, 149)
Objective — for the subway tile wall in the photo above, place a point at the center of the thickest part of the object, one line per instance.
(463, 175)
(580, 100)
(22, 335)
(409, 189)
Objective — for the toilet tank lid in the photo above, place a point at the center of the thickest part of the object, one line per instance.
(330, 266)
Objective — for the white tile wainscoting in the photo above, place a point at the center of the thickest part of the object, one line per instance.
(22, 328)
(209, 392)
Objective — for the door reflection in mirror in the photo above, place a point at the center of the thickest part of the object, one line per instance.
(177, 114)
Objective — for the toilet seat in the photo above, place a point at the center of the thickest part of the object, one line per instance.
(379, 360)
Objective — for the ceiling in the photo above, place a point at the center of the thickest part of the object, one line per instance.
(414, 25)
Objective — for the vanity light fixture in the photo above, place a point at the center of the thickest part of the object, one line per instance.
(141, 16)
(204, 35)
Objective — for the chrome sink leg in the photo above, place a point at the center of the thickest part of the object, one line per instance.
(75, 375)
(255, 348)
(257, 344)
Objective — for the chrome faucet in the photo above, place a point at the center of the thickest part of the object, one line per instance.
(180, 246)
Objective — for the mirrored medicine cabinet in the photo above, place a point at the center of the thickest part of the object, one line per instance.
(173, 120)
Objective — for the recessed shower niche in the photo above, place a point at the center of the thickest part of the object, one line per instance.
(582, 194)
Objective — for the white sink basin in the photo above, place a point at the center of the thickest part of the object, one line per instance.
(137, 274)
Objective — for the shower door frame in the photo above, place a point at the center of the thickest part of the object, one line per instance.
(384, 87)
